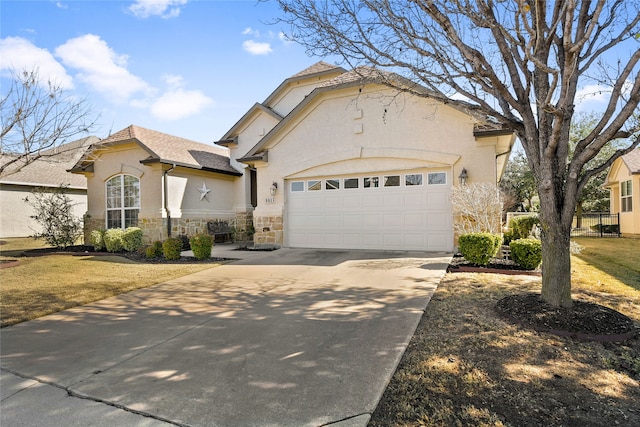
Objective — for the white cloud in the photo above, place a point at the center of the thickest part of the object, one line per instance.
(101, 68)
(257, 48)
(178, 103)
(596, 93)
(61, 5)
(251, 32)
(21, 55)
(284, 39)
(164, 8)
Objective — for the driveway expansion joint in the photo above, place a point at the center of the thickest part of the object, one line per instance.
(330, 423)
(72, 393)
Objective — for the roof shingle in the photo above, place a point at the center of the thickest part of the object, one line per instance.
(632, 160)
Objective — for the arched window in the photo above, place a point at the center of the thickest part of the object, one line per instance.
(123, 201)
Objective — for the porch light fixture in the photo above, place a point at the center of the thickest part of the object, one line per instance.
(463, 176)
(273, 189)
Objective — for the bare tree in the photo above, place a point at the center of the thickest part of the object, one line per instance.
(523, 62)
(477, 208)
(36, 119)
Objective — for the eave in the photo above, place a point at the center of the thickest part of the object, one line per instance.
(153, 160)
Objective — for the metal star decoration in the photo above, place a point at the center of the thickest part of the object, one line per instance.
(204, 191)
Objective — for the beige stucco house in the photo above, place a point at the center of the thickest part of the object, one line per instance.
(164, 184)
(47, 172)
(331, 159)
(623, 180)
(344, 161)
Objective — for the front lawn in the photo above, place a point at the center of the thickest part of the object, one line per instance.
(465, 365)
(43, 285)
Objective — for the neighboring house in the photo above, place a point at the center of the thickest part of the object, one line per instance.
(623, 180)
(343, 161)
(47, 172)
(329, 160)
(164, 184)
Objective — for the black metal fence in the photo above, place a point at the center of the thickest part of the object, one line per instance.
(596, 225)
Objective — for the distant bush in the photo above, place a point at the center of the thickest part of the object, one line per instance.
(201, 246)
(522, 226)
(113, 239)
(479, 248)
(171, 248)
(155, 250)
(527, 253)
(97, 239)
(53, 211)
(132, 239)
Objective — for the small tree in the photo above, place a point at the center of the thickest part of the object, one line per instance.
(54, 212)
(477, 208)
(36, 118)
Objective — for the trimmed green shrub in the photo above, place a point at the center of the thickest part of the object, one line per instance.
(113, 239)
(155, 250)
(201, 246)
(97, 239)
(132, 239)
(508, 237)
(521, 226)
(527, 253)
(479, 248)
(171, 248)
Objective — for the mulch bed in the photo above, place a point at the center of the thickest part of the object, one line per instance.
(497, 265)
(84, 250)
(585, 320)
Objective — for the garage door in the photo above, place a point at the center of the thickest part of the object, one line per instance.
(390, 211)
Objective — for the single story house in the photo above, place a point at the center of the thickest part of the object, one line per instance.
(623, 181)
(47, 172)
(164, 184)
(331, 159)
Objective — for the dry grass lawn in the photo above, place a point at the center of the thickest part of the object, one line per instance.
(465, 366)
(43, 285)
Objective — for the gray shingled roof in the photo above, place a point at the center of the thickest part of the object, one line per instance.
(51, 169)
(166, 148)
(632, 160)
(318, 67)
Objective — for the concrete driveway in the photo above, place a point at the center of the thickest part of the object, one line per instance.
(285, 338)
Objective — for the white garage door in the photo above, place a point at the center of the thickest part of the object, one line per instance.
(390, 211)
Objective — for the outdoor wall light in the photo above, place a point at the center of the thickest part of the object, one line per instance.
(463, 176)
(273, 189)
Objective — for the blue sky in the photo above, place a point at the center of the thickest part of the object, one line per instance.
(187, 68)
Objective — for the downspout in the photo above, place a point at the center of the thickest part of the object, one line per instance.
(166, 199)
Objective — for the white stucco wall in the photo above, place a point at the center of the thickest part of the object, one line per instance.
(15, 214)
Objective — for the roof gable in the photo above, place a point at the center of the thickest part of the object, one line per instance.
(50, 170)
(170, 149)
(632, 161)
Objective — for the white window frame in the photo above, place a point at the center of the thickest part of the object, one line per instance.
(626, 196)
(123, 208)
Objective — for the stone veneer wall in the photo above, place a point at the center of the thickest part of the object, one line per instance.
(156, 228)
(269, 231)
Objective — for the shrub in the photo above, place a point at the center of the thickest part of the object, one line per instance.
(508, 237)
(521, 226)
(527, 253)
(171, 248)
(53, 210)
(201, 246)
(479, 248)
(113, 239)
(154, 250)
(97, 239)
(132, 239)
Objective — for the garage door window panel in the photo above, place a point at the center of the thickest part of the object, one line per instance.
(351, 183)
(413, 179)
(371, 182)
(437, 178)
(332, 184)
(392, 181)
(297, 186)
(314, 185)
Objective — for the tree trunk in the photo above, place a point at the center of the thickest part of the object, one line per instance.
(579, 215)
(556, 264)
